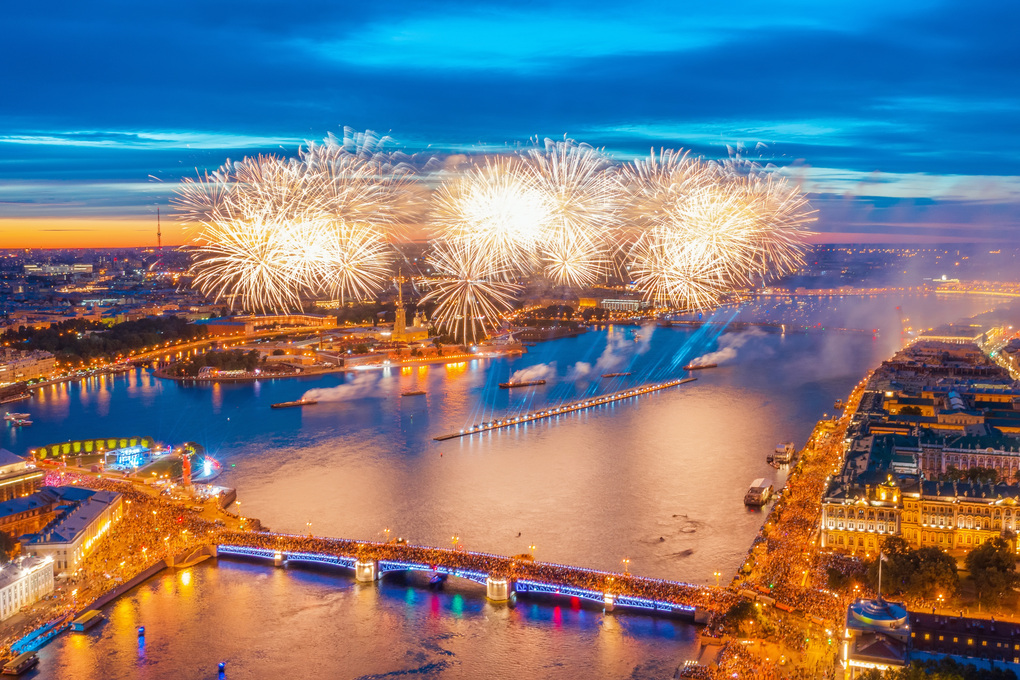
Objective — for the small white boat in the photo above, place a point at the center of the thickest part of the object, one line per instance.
(17, 416)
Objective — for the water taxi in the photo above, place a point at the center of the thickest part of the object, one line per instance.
(20, 664)
(299, 402)
(759, 493)
(784, 453)
(17, 416)
(16, 397)
(21, 422)
(521, 383)
(86, 621)
(412, 393)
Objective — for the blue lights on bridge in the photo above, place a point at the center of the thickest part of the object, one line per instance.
(519, 586)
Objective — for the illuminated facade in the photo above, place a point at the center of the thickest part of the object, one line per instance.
(72, 535)
(17, 477)
(947, 515)
(17, 366)
(24, 582)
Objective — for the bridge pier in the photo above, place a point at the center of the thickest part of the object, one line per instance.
(497, 589)
(278, 559)
(609, 602)
(366, 571)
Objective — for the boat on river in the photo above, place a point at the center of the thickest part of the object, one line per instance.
(784, 453)
(299, 402)
(759, 493)
(521, 383)
(15, 397)
(20, 664)
(698, 367)
(412, 393)
(17, 416)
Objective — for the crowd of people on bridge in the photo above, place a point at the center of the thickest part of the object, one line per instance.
(513, 568)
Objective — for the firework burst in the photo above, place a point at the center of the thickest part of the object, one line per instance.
(469, 293)
(492, 210)
(575, 180)
(270, 231)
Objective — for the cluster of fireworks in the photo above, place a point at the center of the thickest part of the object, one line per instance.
(270, 231)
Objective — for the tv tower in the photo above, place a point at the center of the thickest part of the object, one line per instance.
(159, 233)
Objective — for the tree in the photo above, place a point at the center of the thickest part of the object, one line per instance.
(982, 475)
(992, 565)
(940, 669)
(934, 574)
(910, 411)
(8, 547)
(927, 572)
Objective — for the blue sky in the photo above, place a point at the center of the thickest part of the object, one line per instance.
(899, 117)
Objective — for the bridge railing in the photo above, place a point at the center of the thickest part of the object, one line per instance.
(627, 589)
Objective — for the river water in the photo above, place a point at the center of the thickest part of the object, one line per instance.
(658, 480)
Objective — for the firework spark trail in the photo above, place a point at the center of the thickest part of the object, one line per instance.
(470, 294)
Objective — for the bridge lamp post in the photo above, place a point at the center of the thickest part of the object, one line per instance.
(532, 549)
(387, 532)
(626, 565)
(455, 539)
(717, 574)
(309, 525)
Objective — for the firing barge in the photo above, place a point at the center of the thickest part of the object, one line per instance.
(299, 402)
(521, 383)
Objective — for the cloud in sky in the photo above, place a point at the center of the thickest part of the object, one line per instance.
(892, 114)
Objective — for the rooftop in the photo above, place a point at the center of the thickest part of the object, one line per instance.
(20, 568)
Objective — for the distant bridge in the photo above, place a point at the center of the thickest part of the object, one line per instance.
(503, 577)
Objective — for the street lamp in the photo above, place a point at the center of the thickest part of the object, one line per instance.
(387, 532)
(626, 565)
(717, 574)
(455, 539)
(532, 549)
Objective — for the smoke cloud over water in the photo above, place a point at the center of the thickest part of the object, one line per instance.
(539, 372)
(363, 385)
(730, 345)
(621, 348)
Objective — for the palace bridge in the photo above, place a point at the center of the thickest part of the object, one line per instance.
(503, 577)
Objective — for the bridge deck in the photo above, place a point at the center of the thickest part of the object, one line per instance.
(627, 590)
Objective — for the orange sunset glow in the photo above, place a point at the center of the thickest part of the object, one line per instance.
(109, 232)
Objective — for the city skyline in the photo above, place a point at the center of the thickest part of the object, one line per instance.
(893, 118)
